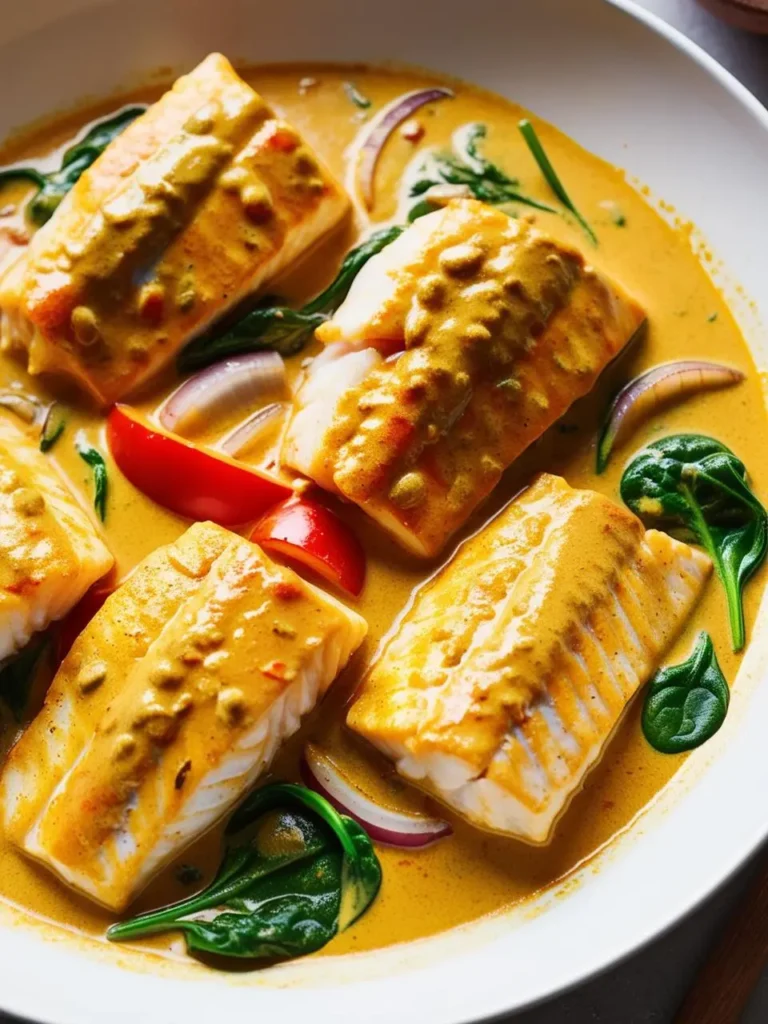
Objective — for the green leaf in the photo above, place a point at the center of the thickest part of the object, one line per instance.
(329, 300)
(550, 174)
(686, 704)
(18, 674)
(53, 426)
(355, 96)
(291, 914)
(30, 174)
(420, 209)
(95, 460)
(101, 133)
(695, 488)
(361, 874)
(467, 166)
(295, 873)
(52, 186)
(279, 327)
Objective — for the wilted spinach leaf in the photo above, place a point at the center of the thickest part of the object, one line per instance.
(52, 186)
(279, 327)
(686, 703)
(695, 488)
(294, 874)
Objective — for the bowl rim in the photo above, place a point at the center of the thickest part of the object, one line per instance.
(443, 1010)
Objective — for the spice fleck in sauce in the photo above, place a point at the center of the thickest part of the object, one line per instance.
(471, 873)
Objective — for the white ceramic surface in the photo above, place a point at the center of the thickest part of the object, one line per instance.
(633, 91)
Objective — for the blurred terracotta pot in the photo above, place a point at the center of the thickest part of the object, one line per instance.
(751, 15)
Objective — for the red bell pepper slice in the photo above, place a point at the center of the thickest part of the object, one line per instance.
(309, 533)
(191, 481)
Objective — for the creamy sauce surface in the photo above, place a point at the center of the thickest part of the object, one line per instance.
(470, 874)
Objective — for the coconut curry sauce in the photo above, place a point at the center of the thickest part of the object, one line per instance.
(472, 872)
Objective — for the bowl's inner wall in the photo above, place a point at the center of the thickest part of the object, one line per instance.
(632, 97)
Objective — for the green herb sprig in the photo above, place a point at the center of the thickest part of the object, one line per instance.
(695, 488)
(686, 704)
(469, 167)
(93, 457)
(295, 873)
(282, 328)
(550, 174)
(52, 186)
(53, 427)
(356, 97)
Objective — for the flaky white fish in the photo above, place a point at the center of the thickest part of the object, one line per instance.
(169, 706)
(458, 345)
(51, 551)
(508, 676)
(198, 203)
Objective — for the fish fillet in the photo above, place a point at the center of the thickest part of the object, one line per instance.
(507, 677)
(169, 706)
(198, 203)
(502, 329)
(50, 550)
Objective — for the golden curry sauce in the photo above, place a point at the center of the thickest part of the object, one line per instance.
(470, 873)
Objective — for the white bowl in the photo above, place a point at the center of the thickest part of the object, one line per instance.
(637, 93)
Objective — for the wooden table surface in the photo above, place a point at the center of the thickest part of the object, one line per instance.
(647, 988)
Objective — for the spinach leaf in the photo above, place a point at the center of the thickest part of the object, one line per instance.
(539, 154)
(18, 674)
(687, 703)
(279, 327)
(95, 460)
(54, 185)
(695, 488)
(295, 873)
(467, 166)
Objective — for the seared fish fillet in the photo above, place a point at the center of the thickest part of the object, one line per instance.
(509, 674)
(197, 203)
(50, 550)
(503, 328)
(169, 706)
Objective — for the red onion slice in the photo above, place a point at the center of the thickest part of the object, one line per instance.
(245, 434)
(221, 386)
(381, 823)
(376, 133)
(654, 387)
(27, 407)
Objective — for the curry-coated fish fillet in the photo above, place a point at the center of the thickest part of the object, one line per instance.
(199, 202)
(508, 675)
(502, 329)
(169, 706)
(50, 550)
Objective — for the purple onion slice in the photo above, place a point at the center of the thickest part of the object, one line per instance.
(381, 127)
(661, 384)
(246, 433)
(27, 407)
(220, 387)
(381, 823)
